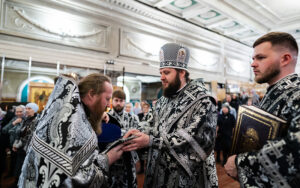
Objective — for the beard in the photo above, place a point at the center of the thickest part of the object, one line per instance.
(118, 108)
(173, 87)
(96, 117)
(270, 73)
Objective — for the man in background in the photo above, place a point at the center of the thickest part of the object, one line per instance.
(146, 122)
(123, 172)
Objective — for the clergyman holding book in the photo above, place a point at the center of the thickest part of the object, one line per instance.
(277, 163)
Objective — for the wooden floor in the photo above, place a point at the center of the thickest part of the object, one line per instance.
(224, 180)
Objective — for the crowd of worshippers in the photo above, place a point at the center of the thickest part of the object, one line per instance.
(75, 143)
(227, 116)
(17, 126)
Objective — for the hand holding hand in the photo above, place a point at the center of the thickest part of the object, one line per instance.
(230, 167)
(114, 154)
(140, 142)
(131, 132)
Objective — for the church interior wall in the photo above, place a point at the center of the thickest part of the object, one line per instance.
(89, 34)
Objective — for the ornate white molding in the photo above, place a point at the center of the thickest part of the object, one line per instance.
(136, 46)
(203, 64)
(238, 67)
(36, 21)
(163, 19)
(177, 26)
(149, 54)
(21, 12)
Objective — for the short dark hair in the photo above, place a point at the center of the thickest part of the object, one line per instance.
(119, 94)
(187, 74)
(278, 38)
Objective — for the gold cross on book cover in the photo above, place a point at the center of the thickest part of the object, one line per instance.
(253, 128)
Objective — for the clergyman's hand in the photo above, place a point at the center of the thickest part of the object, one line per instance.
(114, 154)
(141, 141)
(131, 132)
(230, 167)
(105, 117)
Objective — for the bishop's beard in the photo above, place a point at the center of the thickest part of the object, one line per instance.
(172, 88)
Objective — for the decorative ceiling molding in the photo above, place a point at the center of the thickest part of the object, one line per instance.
(162, 3)
(236, 31)
(194, 11)
(144, 11)
(183, 4)
(209, 15)
(253, 37)
(288, 27)
(267, 12)
(253, 18)
(22, 14)
(236, 67)
(169, 21)
(204, 64)
(136, 46)
(252, 8)
(52, 23)
(263, 14)
(234, 14)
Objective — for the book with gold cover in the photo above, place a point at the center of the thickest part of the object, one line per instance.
(253, 128)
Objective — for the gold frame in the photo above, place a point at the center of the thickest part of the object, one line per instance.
(39, 93)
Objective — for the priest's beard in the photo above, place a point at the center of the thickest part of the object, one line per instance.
(173, 87)
(96, 116)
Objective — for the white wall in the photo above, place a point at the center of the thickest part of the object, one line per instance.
(89, 33)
